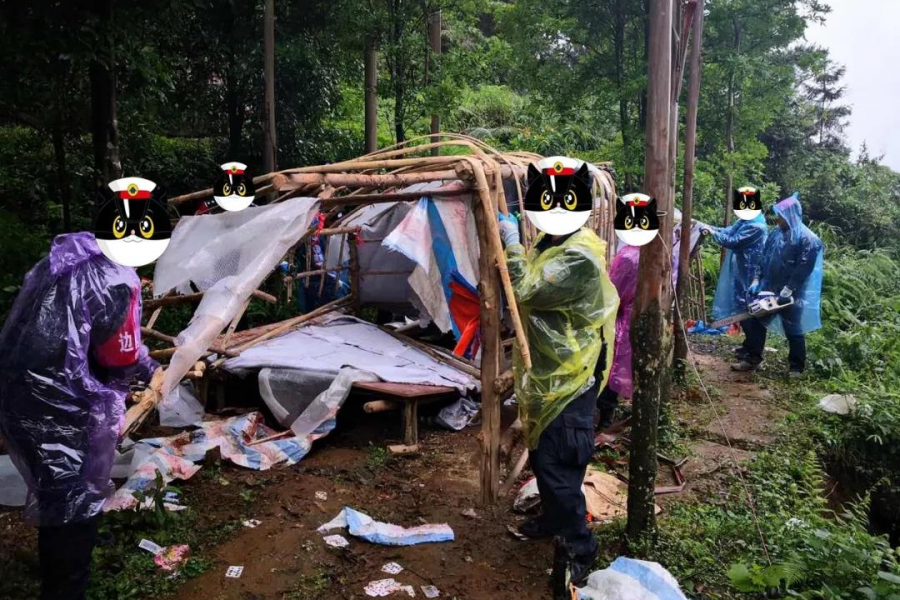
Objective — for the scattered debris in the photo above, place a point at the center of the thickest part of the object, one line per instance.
(470, 512)
(401, 449)
(430, 591)
(516, 533)
(336, 541)
(386, 587)
(363, 526)
(322, 496)
(629, 579)
(252, 523)
(392, 568)
(151, 547)
(172, 557)
(838, 404)
(459, 415)
(234, 572)
(511, 401)
(528, 497)
(12, 486)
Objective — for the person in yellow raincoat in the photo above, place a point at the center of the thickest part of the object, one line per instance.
(568, 307)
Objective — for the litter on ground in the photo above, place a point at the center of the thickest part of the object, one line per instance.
(363, 526)
(234, 571)
(252, 523)
(386, 587)
(838, 404)
(336, 541)
(321, 496)
(151, 547)
(430, 591)
(629, 579)
(392, 568)
(172, 557)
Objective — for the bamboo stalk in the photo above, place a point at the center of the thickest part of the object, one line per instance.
(171, 340)
(294, 322)
(196, 297)
(209, 191)
(234, 323)
(287, 182)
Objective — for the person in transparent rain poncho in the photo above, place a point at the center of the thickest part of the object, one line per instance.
(792, 266)
(68, 351)
(568, 308)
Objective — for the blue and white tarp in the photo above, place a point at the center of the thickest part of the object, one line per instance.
(630, 579)
(363, 526)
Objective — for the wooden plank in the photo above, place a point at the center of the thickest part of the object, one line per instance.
(489, 297)
(404, 390)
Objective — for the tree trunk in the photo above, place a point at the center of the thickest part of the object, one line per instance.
(729, 125)
(690, 146)
(269, 147)
(235, 112)
(104, 128)
(398, 71)
(371, 59)
(648, 332)
(62, 175)
(434, 40)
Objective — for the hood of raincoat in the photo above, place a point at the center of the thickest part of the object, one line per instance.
(794, 258)
(70, 250)
(568, 307)
(791, 211)
(60, 411)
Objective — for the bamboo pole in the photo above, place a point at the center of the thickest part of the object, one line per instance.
(196, 297)
(171, 340)
(289, 324)
(200, 195)
(286, 182)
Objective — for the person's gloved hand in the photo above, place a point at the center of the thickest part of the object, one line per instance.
(754, 287)
(509, 229)
(785, 296)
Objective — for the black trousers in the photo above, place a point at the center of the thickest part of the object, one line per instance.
(65, 557)
(755, 344)
(559, 464)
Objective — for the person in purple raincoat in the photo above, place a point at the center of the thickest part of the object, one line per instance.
(623, 273)
(68, 351)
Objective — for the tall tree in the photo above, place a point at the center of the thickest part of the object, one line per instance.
(104, 126)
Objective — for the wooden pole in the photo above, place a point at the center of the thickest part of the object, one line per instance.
(489, 296)
(371, 85)
(434, 39)
(690, 146)
(269, 152)
(654, 281)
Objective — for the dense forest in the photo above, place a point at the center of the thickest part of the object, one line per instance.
(181, 82)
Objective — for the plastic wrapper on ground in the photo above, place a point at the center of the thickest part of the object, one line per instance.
(363, 526)
(629, 579)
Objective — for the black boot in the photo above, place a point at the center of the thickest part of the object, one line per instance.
(561, 576)
(536, 528)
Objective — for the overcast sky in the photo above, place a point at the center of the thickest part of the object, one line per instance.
(862, 36)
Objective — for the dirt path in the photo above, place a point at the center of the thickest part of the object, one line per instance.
(741, 406)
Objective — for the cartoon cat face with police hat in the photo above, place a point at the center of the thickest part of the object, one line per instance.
(558, 199)
(133, 226)
(747, 203)
(234, 189)
(637, 220)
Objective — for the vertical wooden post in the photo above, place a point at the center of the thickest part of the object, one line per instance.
(354, 272)
(434, 40)
(104, 125)
(269, 152)
(488, 293)
(371, 84)
(690, 145)
(654, 283)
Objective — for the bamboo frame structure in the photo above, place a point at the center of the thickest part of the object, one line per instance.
(465, 167)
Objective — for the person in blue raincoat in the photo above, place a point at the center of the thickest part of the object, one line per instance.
(743, 242)
(792, 267)
(68, 351)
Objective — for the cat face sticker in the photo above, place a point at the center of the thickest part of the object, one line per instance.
(747, 203)
(133, 226)
(637, 221)
(234, 189)
(558, 199)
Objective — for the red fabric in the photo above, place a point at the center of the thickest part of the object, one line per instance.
(124, 346)
(466, 313)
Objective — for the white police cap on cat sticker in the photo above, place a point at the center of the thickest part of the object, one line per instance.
(133, 226)
(747, 203)
(637, 221)
(234, 189)
(558, 199)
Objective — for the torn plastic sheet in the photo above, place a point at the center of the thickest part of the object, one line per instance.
(226, 256)
(180, 408)
(458, 415)
(630, 579)
(175, 457)
(349, 342)
(363, 526)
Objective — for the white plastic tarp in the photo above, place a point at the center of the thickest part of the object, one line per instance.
(227, 256)
(349, 342)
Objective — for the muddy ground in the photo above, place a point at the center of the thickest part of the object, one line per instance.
(284, 558)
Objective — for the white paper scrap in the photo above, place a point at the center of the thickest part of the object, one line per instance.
(430, 591)
(150, 547)
(392, 568)
(321, 496)
(336, 541)
(234, 572)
